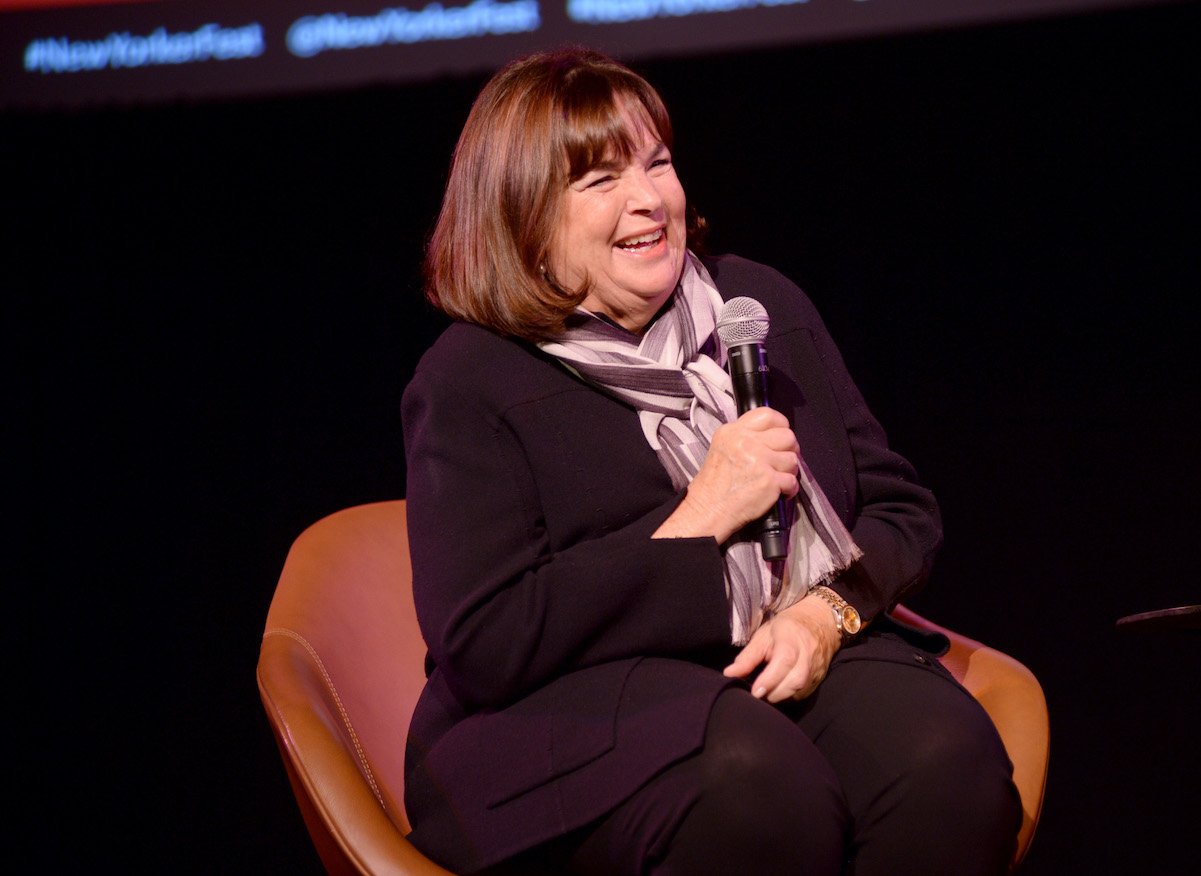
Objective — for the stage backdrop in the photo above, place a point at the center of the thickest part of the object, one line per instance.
(72, 52)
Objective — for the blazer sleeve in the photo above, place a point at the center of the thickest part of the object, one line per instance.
(502, 609)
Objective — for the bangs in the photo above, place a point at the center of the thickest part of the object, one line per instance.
(597, 113)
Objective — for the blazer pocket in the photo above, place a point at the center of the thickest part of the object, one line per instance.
(548, 734)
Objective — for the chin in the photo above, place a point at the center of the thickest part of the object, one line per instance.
(657, 290)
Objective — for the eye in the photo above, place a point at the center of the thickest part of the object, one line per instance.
(599, 181)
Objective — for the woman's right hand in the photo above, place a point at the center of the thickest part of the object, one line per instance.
(751, 463)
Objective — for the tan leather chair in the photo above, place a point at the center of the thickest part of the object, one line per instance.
(342, 664)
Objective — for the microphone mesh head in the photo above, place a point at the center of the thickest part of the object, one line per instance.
(742, 321)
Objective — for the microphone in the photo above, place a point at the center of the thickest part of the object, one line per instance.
(742, 326)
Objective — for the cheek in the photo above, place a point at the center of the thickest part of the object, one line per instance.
(554, 254)
(679, 227)
(677, 205)
(571, 250)
(564, 241)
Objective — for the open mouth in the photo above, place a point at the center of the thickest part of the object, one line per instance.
(641, 242)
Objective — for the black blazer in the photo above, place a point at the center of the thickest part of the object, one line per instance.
(572, 657)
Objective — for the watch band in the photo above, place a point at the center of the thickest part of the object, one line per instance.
(846, 617)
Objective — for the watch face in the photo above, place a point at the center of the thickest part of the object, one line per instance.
(851, 621)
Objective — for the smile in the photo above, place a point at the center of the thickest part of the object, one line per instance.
(641, 242)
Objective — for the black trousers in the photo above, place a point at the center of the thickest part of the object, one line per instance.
(890, 768)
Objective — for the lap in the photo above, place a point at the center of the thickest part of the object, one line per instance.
(886, 700)
(893, 748)
(833, 767)
(914, 754)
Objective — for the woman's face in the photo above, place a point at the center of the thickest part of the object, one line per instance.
(623, 227)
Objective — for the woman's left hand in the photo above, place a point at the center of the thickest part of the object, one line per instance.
(796, 645)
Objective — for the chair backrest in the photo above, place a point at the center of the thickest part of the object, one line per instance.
(1014, 700)
(339, 672)
(342, 665)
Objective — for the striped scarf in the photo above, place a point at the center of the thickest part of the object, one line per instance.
(674, 376)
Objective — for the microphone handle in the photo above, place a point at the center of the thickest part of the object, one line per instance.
(748, 371)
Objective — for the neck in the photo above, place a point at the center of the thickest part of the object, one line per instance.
(634, 320)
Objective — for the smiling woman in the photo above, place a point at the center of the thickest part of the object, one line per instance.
(620, 682)
(622, 234)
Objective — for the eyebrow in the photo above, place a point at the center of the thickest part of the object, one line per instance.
(614, 164)
(608, 164)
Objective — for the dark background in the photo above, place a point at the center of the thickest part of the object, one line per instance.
(212, 310)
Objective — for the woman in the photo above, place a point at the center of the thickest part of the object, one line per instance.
(619, 682)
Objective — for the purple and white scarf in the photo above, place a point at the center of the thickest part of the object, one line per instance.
(674, 375)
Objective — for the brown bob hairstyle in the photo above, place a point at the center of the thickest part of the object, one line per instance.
(541, 122)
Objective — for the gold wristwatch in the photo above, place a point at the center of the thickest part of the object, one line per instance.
(846, 616)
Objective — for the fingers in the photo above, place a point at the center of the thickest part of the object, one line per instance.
(764, 441)
(786, 480)
(793, 655)
(779, 470)
(788, 671)
(788, 667)
(771, 427)
(750, 464)
(760, 419)
(750, 656)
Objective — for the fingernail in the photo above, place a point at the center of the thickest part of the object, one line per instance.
(759, 692)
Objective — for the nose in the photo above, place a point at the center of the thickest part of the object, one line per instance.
(643, 195)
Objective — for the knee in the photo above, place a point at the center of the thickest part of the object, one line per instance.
(961, 769)
(750, 784)
(756, 758)
(766, 802)
(761, 818)
(957, 792)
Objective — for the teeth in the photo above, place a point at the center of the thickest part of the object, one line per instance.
(633, 242)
